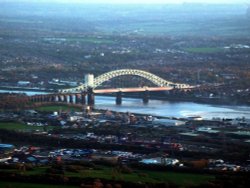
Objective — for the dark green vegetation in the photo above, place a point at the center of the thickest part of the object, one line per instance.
(108, 173)
(31, 185)
(82, 173)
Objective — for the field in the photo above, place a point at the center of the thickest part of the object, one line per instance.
(22, 127)
(144, 176)
(148, 176)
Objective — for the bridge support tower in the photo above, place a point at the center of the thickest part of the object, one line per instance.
(91, 97)
(78, 98)
(145, 97)
(83, 99)
(65, 98)
(119, 98)
(71, 99)
(60, 98)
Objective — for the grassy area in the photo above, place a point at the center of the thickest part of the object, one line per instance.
(139, 175)
(204, 50)
(22, 127)
(58, 108)
(30, 185)
(148, 176)
(179, 178)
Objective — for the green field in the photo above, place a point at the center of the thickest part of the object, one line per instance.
(22, 127)
(57, 108)
(148, 176)
(204, 50)
(144, 176)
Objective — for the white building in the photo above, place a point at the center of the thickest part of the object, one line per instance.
(89, 80)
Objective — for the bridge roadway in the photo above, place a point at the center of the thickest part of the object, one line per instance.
(80, 98)
(126, 90)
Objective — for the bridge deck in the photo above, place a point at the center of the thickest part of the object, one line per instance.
(124, 90)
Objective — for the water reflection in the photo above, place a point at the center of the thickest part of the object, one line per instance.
(173, 109)
(164, 108)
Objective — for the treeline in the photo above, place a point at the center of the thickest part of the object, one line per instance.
(13, 101)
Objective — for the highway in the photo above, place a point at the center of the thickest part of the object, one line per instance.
(124, 90)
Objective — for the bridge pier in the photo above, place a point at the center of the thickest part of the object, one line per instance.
(145, 97)
(43, 98)
(40, 98)
(91, 97)
(34, 99)
(78, 98)
(71, 99)
(61, 98)
(46, 98)
(58, 98)
(119, 98)
(30, 99)
(83, 99)
(65, 98)
(37, 98)
(53, 98)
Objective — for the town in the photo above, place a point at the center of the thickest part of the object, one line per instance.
(69, 134)
(124, 95)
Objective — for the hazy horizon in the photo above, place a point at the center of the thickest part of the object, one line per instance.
(131, 1)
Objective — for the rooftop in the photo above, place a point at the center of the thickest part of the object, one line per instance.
(6, 146)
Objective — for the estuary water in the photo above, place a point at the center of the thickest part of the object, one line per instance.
(173, 109)
(165, 108)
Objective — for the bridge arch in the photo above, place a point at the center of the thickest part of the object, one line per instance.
(149, 76)
(158, 81)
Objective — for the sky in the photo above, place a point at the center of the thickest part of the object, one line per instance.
(134, 1)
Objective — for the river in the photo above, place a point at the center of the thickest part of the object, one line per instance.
(166, 108)
(173, 109)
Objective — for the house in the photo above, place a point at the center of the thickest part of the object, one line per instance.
(23, 83)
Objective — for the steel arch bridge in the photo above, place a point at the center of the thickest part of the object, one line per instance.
(158, 81)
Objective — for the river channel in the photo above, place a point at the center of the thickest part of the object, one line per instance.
(166, 108)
